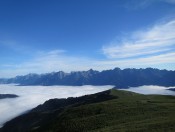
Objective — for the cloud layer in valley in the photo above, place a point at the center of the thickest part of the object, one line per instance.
(160, 90)
(31, 96)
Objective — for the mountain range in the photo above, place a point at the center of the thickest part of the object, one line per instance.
(120, 78)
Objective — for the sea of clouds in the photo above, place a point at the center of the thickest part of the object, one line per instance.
(32, 96)
(152, 89)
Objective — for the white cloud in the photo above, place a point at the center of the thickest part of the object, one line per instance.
(15, 46)
(142, 4)
(152, 89)
(57, 62)
(31, 96)
(43, 62)
(138, 4)
(151, 47)
(169, 1)
(153, 41)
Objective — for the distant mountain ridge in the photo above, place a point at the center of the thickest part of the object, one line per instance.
(120, 78)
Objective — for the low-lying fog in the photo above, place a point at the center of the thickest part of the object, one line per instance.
(31, 96)
(152, 90)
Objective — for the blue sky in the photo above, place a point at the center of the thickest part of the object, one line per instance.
(39, 36)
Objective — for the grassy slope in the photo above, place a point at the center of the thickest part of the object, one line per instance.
(126, 112)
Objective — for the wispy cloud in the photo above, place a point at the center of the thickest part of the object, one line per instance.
(50, 61)
(164, 61)
(151, 47)
(15, 46)
(57, 62)
(157, 40)
(142, 4)
(169, 1)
